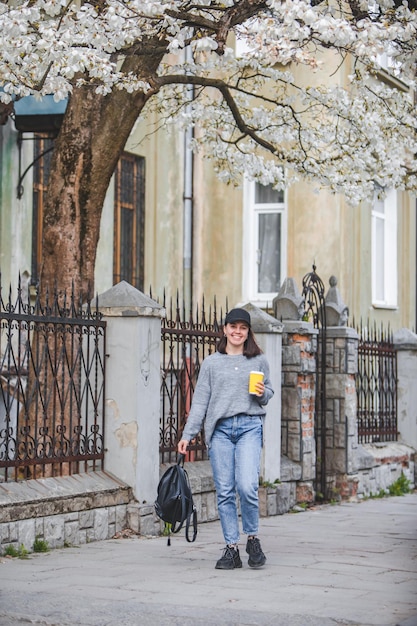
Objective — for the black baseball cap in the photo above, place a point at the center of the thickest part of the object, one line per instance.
(237, 315)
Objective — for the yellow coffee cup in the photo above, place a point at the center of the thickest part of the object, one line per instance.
(255, 377)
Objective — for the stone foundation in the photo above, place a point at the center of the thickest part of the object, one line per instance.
(378, 466)
(63, 511)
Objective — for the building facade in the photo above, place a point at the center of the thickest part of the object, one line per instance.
(169, 224)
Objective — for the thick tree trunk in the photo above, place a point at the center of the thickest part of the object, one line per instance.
(92, 137)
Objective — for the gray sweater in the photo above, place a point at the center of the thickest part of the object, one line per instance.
(222, 391)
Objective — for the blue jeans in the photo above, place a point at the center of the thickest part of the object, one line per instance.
(235, 453)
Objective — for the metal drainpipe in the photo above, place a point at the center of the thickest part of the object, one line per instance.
(188, 220)
(188, 209)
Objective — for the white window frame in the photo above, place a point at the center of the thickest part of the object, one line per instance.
(387, 62)
(384, 244)
(241, 45)
(250, 244)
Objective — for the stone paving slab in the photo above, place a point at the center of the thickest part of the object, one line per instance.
(353, 564)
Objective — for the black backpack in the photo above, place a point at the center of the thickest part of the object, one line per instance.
(174, 503)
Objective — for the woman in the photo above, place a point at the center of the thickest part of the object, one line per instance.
(233, 421)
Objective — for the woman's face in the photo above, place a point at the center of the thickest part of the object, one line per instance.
(236, 335)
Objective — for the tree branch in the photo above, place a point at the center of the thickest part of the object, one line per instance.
(230, 101)
(220, 26)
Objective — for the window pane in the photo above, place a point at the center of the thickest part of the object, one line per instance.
(379, 206)
(379, 260)
(127, 182)
(126, 244)
(267, 195)
(269, 252)
(129, 215)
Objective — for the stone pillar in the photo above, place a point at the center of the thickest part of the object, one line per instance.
(268, 332)
(132, 388)
(341, 408)
(298, 402)
(406, 345)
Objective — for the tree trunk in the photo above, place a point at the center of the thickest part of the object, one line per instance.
(92, 138)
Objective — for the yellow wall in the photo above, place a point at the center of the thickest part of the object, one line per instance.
(322, 229)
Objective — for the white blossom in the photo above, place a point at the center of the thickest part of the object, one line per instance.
(345, 134)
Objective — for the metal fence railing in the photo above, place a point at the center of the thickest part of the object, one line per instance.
(376, 386)
(186, 341)
(52, 386)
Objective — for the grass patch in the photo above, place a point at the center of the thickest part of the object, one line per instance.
(40, 545)
(398, 488)
(20, 552)
(268, 483)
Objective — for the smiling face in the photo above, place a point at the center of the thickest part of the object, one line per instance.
(236, 334)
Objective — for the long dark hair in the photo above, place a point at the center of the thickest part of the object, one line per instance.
(250, 347)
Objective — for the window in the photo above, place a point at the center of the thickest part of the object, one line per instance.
(264, 247)
(385, 60)
(245, 46)
(384, 249)
(42, 154)
(129, 221)
(128, 214)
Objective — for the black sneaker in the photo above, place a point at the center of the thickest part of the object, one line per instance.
(256, 556)
(230, 559)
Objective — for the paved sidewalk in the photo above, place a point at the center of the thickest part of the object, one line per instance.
(349, 564)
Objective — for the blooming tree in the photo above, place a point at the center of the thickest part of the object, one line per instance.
(116, 59)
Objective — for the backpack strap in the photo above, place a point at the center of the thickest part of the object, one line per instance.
(187, 526)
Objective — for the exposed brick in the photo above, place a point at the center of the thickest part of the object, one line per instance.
(305, 492)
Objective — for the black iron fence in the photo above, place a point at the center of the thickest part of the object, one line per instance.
(52, 373)
(187, 339)
(52, 386)
(376, 386)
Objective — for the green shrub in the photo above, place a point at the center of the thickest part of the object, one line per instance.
(21, 552)
(40, 545)
(11, 551)
(400, 486)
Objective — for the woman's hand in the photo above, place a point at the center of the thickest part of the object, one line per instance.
(260, 388)
(182, 446)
